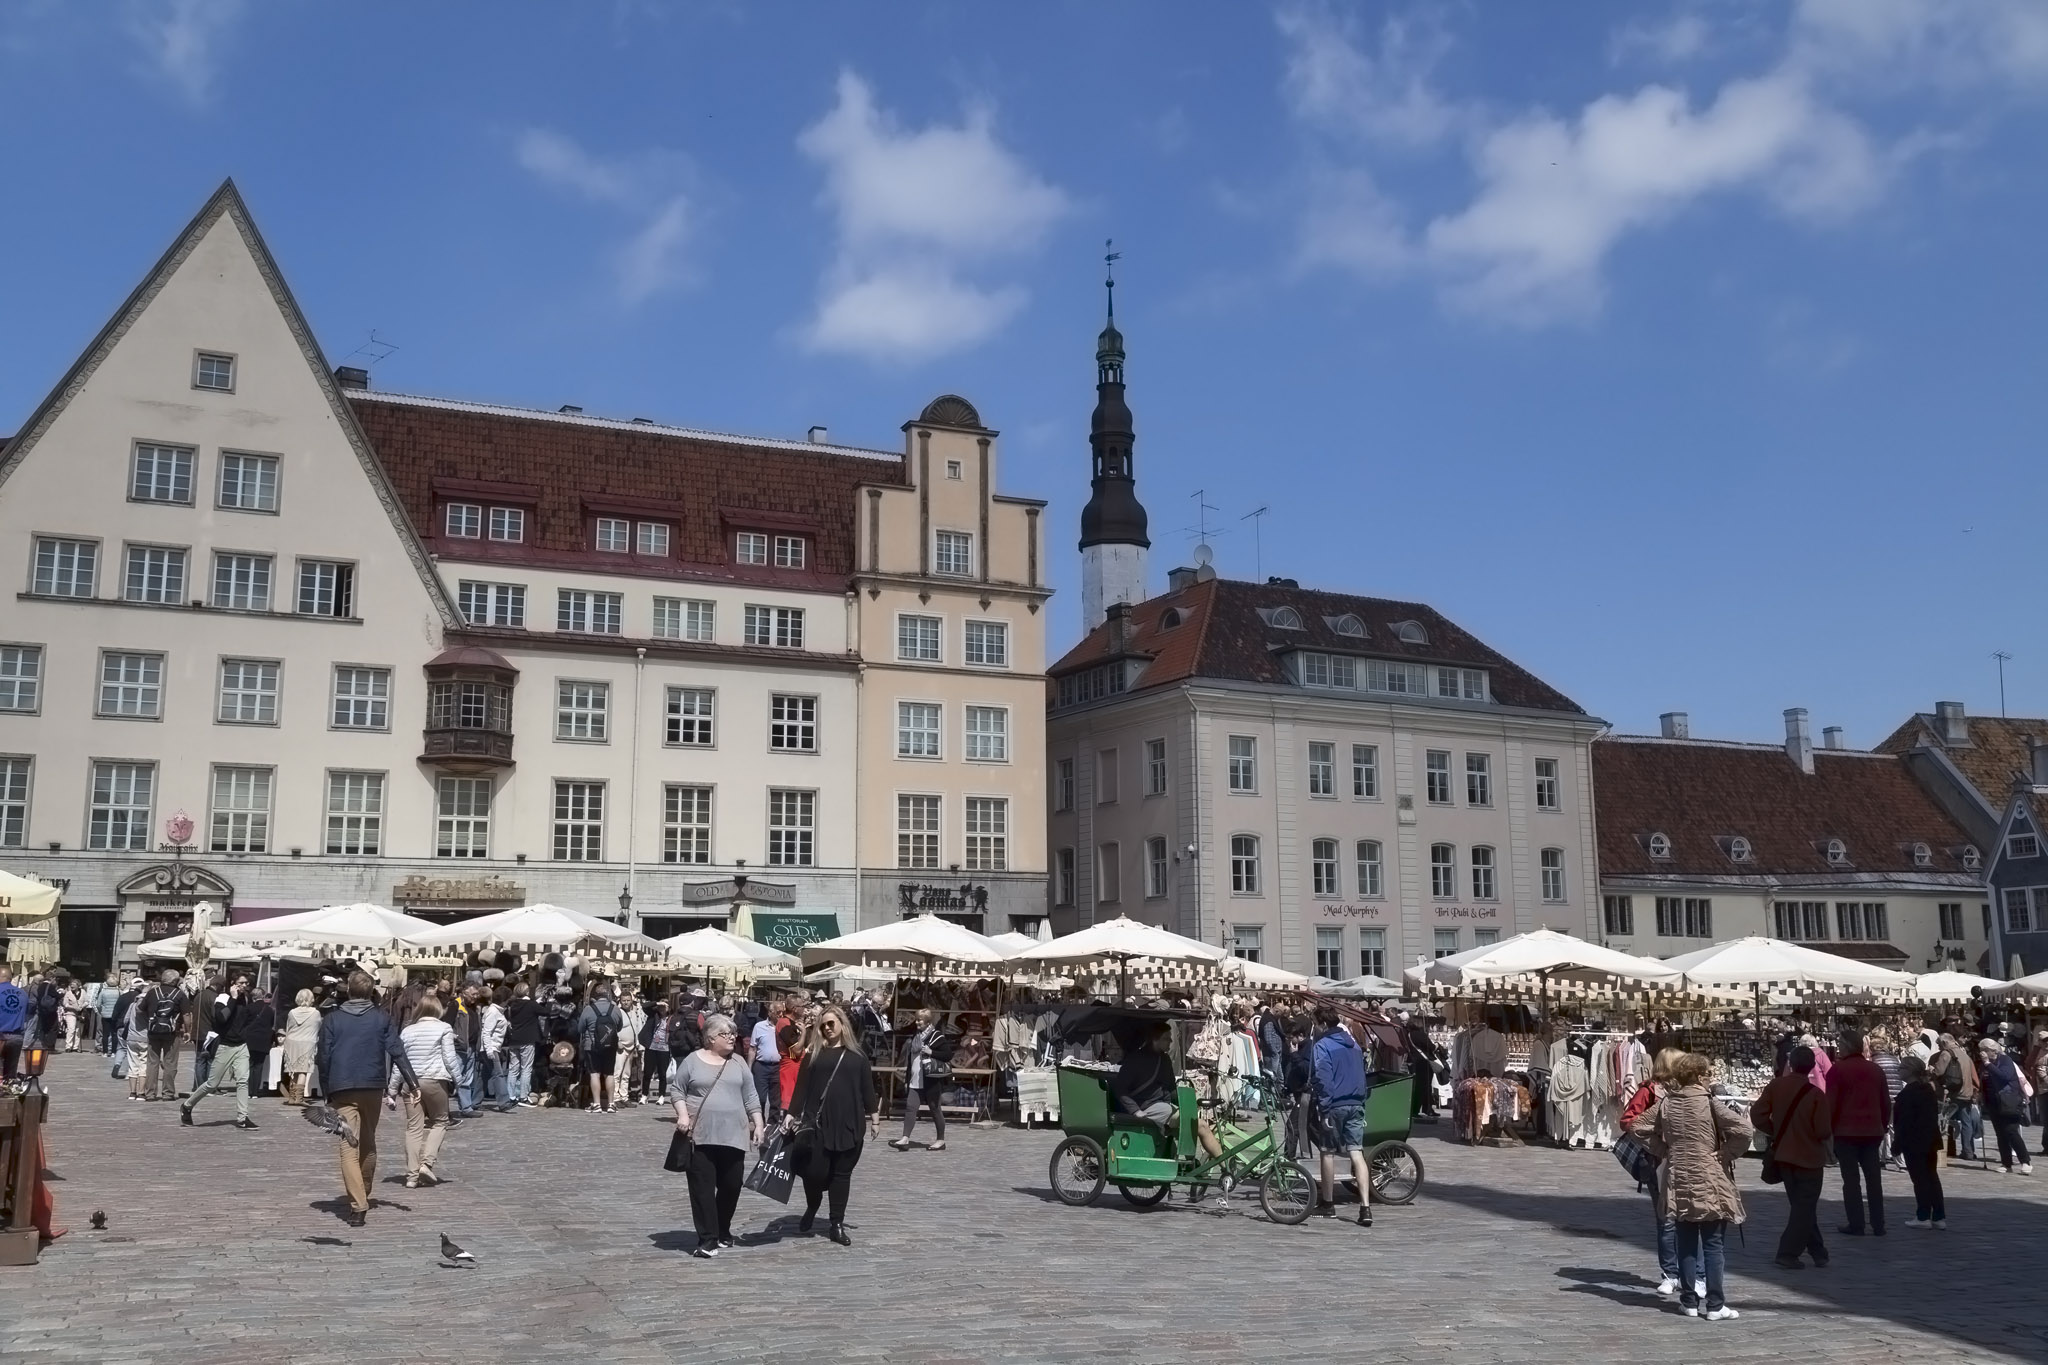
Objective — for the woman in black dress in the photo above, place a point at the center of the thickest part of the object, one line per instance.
(835, 1096)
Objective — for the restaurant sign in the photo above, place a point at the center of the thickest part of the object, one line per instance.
(917, 898)
(418, 890)
(733, 888)
(789, 933)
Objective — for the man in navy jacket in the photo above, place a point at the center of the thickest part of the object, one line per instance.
(1338, 1082)
(358, 1047)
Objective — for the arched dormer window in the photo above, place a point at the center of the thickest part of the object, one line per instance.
(1739, 850)
(1923, 856)
(1348, 625)
(1410, 633)
(1838, 852)
(1973, 861)
(1660, 845)
(1171, 617)
(1284, 618)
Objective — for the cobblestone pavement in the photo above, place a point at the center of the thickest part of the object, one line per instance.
(227, 1247)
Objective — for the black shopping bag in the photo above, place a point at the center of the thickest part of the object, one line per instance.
(774, 1174)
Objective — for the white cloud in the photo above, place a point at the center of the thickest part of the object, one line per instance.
(916, 210)
(181, 39)
(1382, 95)
(1668, 41)
(646, 188)
(1960, 44)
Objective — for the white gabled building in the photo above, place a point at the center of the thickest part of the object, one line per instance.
(453, 656)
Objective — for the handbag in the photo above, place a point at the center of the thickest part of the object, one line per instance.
(774, 1175)
(1772, 1173)
(1637, 1159)
(682, 1147)
(806, 1130)
(932, 1068)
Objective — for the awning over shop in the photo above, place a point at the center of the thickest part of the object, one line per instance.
(787, 931)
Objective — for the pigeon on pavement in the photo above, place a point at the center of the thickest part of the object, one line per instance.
(452, 1252)
(99, 1220)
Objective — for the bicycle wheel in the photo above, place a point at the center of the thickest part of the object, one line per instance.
(1396, 1172)
(1076, 1171)
(1286, 1193)
(1143, 1196)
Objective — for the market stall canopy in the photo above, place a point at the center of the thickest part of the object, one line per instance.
(1116, 943)
(1357, 988)
(926, 943)
(713, 949)
(342, 930)
(21, 898)
(2025, 986)
(178, 948)
(1012, 943)
(1545, 957)
(536, 930)
(1758, 963)
(1943, 988)
(1264, 975)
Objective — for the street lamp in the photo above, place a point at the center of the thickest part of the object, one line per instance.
(625, 900)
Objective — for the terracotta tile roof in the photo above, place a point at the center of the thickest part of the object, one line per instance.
(1701, 793)
(567, 467)
(1222, 635)
(1997, 755)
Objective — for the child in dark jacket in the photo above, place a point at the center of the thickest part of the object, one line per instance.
(1916, 1136)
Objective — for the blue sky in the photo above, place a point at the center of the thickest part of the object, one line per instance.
(1690, 353)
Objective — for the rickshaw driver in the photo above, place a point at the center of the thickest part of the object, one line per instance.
(1145, 1085)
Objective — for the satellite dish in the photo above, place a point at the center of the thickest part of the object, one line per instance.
(1203, 556)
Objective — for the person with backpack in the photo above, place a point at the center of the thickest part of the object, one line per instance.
(1794, 1112)
(162, 1010)
(46, 1005)
(597, 1038)
(1955, 1075)
(2005, 1094)
(1697, 1138)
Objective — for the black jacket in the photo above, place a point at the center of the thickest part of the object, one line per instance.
(260, 1033)
(229, 1020)
(835, 1088)
(522, 1023)
(1916, 1120)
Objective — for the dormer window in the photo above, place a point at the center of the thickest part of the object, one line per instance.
(1283, 618)
(1171, 617)
(789, 552)
(750, 547)
(1410, 633)
(2022, 845)
(1923, 856)
(1972, 860)
(1838, 852)
(614, 535)
(463, 520)
(651, 539)
(508, 524)
(1346, 625)
(1739, 850)
(1660, 845)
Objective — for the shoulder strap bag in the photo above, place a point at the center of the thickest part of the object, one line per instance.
(806, 1132)
(1772, 1173)
(682, 1147)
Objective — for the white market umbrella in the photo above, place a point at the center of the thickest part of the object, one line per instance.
(1549, 956)
(536, 930)
(1943, 988)
(713, 949)
(925, 942)
(1013, 943)
(1763, 964)
(1114, 945)
(178, 947)
(2035, 985)
(341, 929)
(1358, 988)
(21, 898)
(1265, 975)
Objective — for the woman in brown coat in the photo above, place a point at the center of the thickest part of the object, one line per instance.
(1698, 1141)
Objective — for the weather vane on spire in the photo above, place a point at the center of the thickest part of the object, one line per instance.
(1110, 257)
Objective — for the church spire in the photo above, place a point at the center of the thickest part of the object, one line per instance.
(1113, 524)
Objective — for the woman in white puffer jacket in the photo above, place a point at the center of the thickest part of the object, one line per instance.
(430, 1046)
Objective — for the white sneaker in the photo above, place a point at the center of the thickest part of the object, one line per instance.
(1691, 1310)
(1667, 1288)
(2026, 1168)
(1722, 1314)
(1699, 1290)
(1941, 1222)
(1917, 1223)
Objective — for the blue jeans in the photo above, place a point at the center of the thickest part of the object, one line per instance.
(1968, 1120)
(1695, 1241)
(465, 1080)
(518, 1073)
(1667, 1244)
(107, 1032)
(487, 1077)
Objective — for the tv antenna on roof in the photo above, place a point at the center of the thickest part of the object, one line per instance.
(1257, 518)
(2002, 658)
(372, 351)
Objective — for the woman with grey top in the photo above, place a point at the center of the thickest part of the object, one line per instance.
(718, 1108)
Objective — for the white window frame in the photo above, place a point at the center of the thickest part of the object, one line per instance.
(1436, 769)
(238, 816)
(1155, 868)
(791, 552)
(772, 627)
(462, 520)
(1243, 768)
(462, 822)
(1549, 787)
(576, 821)
(1550, 866)
(690, 718)
(750, 547)
(242, 581)
(1618, 916)
(792, 723)
(918, 833)
(120, 801)
(65, 566)
(1109, 873)
(1245, 879)
(686, 817)
(1324, 879)
(154, 574)
(985, 644)
(953, 554)
(920, 726)
(1322, 769)
(183, 468)
(1443, 872)
(136, 677)
(1248, 942)
(502, 604)
(1444, 942)
(1372, 952)
(582, 711)
(21, 679)
(685, 618)
(1155, 767)
(612, 535)
(1063, 795)
(585, 611)
(359, 697)
(327, 589)
(651, 539)
(1329, 950)
(246, 698)
(1479, 781)
(355, 813)
(1365, 772)
(244, 470)
(985, 827)
(1370, 856)
(219, 363)
(17, 786)
(1063, 877)
(920, 639)
(985, 734)
(1485, 878)
(792, 827)
(508, 525)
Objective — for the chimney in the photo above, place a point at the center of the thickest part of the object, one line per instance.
(2037, 766)
(1950, 724)
(817, 436)
(1119, 617)
(1831, 738)
(1675, 725)
(1176, 579)
(1798, 743)
(350, 377)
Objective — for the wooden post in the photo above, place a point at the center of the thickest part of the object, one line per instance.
(21, 1123)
